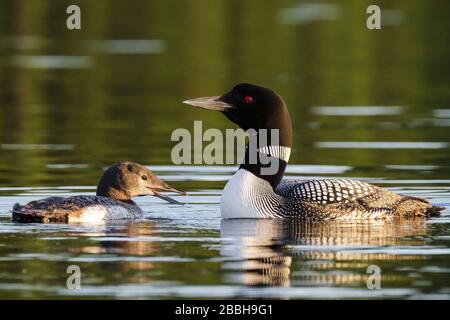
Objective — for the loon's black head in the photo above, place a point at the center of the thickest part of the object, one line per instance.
(251, 107)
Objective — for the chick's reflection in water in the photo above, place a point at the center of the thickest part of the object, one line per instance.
(131, 242)
(265, 252)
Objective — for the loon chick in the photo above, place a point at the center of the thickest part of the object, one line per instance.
(254, 192)
(120, 183)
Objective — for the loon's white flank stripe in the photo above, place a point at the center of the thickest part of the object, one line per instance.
(98, 213)
(280, 152)
(90, 214)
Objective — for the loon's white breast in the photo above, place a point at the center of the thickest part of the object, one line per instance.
(247, 196)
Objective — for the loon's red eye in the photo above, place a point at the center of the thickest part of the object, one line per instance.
(248, 99)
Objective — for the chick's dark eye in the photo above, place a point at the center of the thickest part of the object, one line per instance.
(144, 177)
(130, 168)
(248, 99)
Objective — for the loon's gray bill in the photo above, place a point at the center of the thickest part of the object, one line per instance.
(210, 103)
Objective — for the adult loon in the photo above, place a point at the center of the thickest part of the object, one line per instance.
(253, 193)
(120, 183)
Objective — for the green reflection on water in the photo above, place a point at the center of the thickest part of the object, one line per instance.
(124, 106)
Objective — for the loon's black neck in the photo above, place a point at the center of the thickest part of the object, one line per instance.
(256, 169)
(272, 152)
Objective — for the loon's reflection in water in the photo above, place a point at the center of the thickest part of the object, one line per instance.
(264, 252)
(125, 245)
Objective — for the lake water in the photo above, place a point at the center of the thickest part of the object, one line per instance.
(369, 105)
